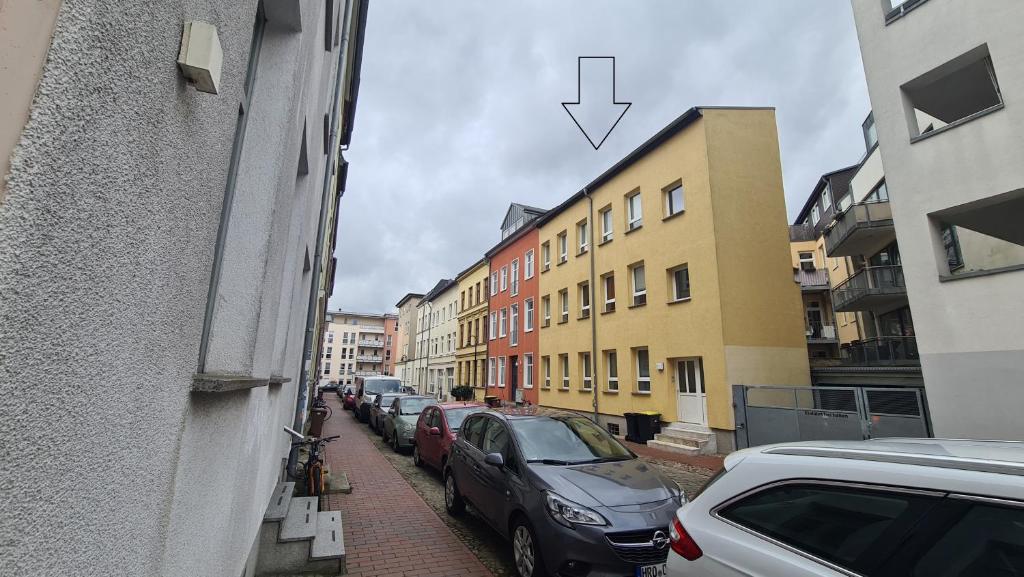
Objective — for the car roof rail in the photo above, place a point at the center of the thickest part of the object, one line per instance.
(925, 460)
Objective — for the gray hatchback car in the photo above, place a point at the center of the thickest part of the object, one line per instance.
(571, 499)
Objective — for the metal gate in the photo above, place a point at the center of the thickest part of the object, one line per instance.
(772, 414)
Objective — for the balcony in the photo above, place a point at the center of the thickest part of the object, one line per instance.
(368, 373)
(864, 228)
(812, 280)
(821, 334)
(372, 344)
(368, 359)
(878, 289)
(882, 351)
(371, 329)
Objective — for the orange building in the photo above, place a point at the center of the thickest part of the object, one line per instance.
(390, 342)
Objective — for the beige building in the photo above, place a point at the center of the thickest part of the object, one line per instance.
(471, 351)
(405, 341)
(354, 346)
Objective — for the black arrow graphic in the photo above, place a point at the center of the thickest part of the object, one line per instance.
(598, 115)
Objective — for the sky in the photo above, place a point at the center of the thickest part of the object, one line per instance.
(459, 113)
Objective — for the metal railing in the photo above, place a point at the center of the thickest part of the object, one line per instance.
(367, 373)
(868, 281)
(882, 351)
(821, 331)
(860, 215)
(377, 344)
(370, 329)
(368, 359)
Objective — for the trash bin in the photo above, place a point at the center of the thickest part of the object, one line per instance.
(316, 422)
(641, 427)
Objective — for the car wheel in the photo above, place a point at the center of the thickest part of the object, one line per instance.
(394, 443)
(525, 551)
(384, 434)
(453, 502)
(416, 460)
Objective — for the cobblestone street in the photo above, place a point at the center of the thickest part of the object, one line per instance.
(354, 455)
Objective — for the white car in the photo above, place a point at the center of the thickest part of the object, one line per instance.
(879, 508)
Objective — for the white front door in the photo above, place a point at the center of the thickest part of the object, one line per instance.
(692, 405)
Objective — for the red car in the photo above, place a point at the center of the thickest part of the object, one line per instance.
(348, 398)
(436, 430)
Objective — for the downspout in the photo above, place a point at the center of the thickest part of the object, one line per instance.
(314, 289)
(593, 301)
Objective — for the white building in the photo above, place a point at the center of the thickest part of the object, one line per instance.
(436, 327)
(355, 345)
(405, 338)
(946, 81)
(160, 253)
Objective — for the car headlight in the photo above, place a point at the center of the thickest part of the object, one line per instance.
(568, 513)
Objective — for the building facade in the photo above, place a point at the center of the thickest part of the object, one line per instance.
(390, 334)
(512, 336)
(471, 352)
(405, 339)
(439, 339)
(948, 121)
(116, 173)
(354, 346)
(667, 280)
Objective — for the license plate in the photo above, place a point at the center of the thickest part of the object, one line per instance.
(659, 570)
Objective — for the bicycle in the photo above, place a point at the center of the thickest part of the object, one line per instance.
(320, 403)
(312, 471)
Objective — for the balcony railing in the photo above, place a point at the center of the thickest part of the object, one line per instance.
(370, 329)
(368, 359)
(367, 373)
(882, 351)
(863, 228)
(375, 344)
(821, 333)
(812, 280)
(873, 288)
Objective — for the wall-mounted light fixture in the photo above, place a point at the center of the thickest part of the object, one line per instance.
(201, 57)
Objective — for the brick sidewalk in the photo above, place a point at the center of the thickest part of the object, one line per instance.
(712, 462)
(389, 529)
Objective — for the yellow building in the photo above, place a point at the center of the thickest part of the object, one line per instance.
(667, 280)
(471, 353)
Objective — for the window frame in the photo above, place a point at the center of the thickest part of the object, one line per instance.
(582, 237)
(670, 209)
(584, 297)
(502, 364)
(504, 278)
(528, 371)
(675, 284)
(563, 247)
(528, 312)
(503, 323)
(494, 283)
(528, 264)
(634, 221)
(607, 224)
(637, 294)
(545, 363)
(588, 371)
(513, 324)
(545, 302)
(563, 368)
(608, 305)
(545, 256)
(611, 361)
(492, 326)
(491, 370)
(563, 306)
(636, 365)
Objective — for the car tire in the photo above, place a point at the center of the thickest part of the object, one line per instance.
(394, 443)
(453, 502)
(525, 550)
(416, 460)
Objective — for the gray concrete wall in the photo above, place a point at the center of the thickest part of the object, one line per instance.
(972, 317)
(110, 465)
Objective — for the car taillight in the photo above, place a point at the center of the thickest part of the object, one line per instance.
(682, 543)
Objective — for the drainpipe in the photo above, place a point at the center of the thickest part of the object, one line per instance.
(314, 289)
(593, 301)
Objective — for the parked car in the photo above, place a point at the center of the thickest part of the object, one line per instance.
(571, 499)
(879, 508)
(329, 387)
(367, 389)
(379, 408)
(436, 430)
(408, 390)
(400, 420)
(348, 398)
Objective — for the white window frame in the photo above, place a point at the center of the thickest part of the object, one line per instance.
(494, 283)
(826, 197)
(588, 374)
(528, 311)
(634, 215)
(675, 287)
(504, 278)
(582, 237)
(632, 281)
(546, 306)
(563, 362)
(611, 361)
(545, 363)
(515, 277)
(563, 247)
(327, 368)
(815, 214)
(670, 208)
(501, 372)
(584, 291)
(513, 324)
(607, 225)
(528, 264)
(545, 255)
(563, 305)
(609, 303)
(528, 371)
(490, 372)
(640, 380)
(493, 332)
(503, 323)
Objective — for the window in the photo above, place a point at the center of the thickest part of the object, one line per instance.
(950, 243)
(826, 197)
(545, 256)
(563, 247)
(643, 371)
(987, 540)
(496, 440)
(611, 361)
(878, 194)
(691, 379)
(588, 382)
(608, 284)
(815, 214)
(503, 322)
(327, 352)
(545, 305)
(528, 371)
(582, 238)
(674, 200)
(501, 372)
(870, 134)
(563, 362)
(504, 278)
(850, 527)
(515, 277)
(806, 260)
(490, 372)
(494, 283)
(563, 302)
(970, 76)
(545, 365)
(639, 285)
(606, 224)
(330, 337)
(584, 300)
(528, 315)
(493, 332)
(634, 212)
(327, 368)
(680, 283)
(514, 325)
(528, 265)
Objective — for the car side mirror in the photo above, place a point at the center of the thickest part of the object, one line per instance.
(434, 431)
(494, 459)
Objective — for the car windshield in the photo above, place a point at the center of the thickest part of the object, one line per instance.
(456, 416)
(415, 406)
(387, 400)
(566, 440)
(376, 386)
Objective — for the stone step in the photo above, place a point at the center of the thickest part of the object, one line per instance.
(329, 542)
(673, 439)
(683, 432)
(674, 447)
(300, 522)
(277, 510)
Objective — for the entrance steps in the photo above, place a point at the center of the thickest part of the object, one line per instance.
(686, 439)
(296, 538)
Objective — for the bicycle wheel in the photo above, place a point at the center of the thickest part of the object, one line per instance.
(329, 411)
(314, 485)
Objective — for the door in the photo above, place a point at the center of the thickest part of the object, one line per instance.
(814, 320)
(426, 443)
(494, 491)
(692, 405)
(513, 377)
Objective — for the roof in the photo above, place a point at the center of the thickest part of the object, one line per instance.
(838, 190)
(532, 224)
(364, 315)
(520, 212)
(407, 297)
(1005, 457)
(471, 268)
(355, 77)
(441, 286)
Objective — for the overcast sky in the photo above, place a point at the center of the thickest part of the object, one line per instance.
(460, 113)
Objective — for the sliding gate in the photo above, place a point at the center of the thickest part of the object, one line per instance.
(773, 414)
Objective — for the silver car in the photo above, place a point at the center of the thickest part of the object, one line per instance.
(379, 408)
(399, 427)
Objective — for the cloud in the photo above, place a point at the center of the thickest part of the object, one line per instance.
(460, 113)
